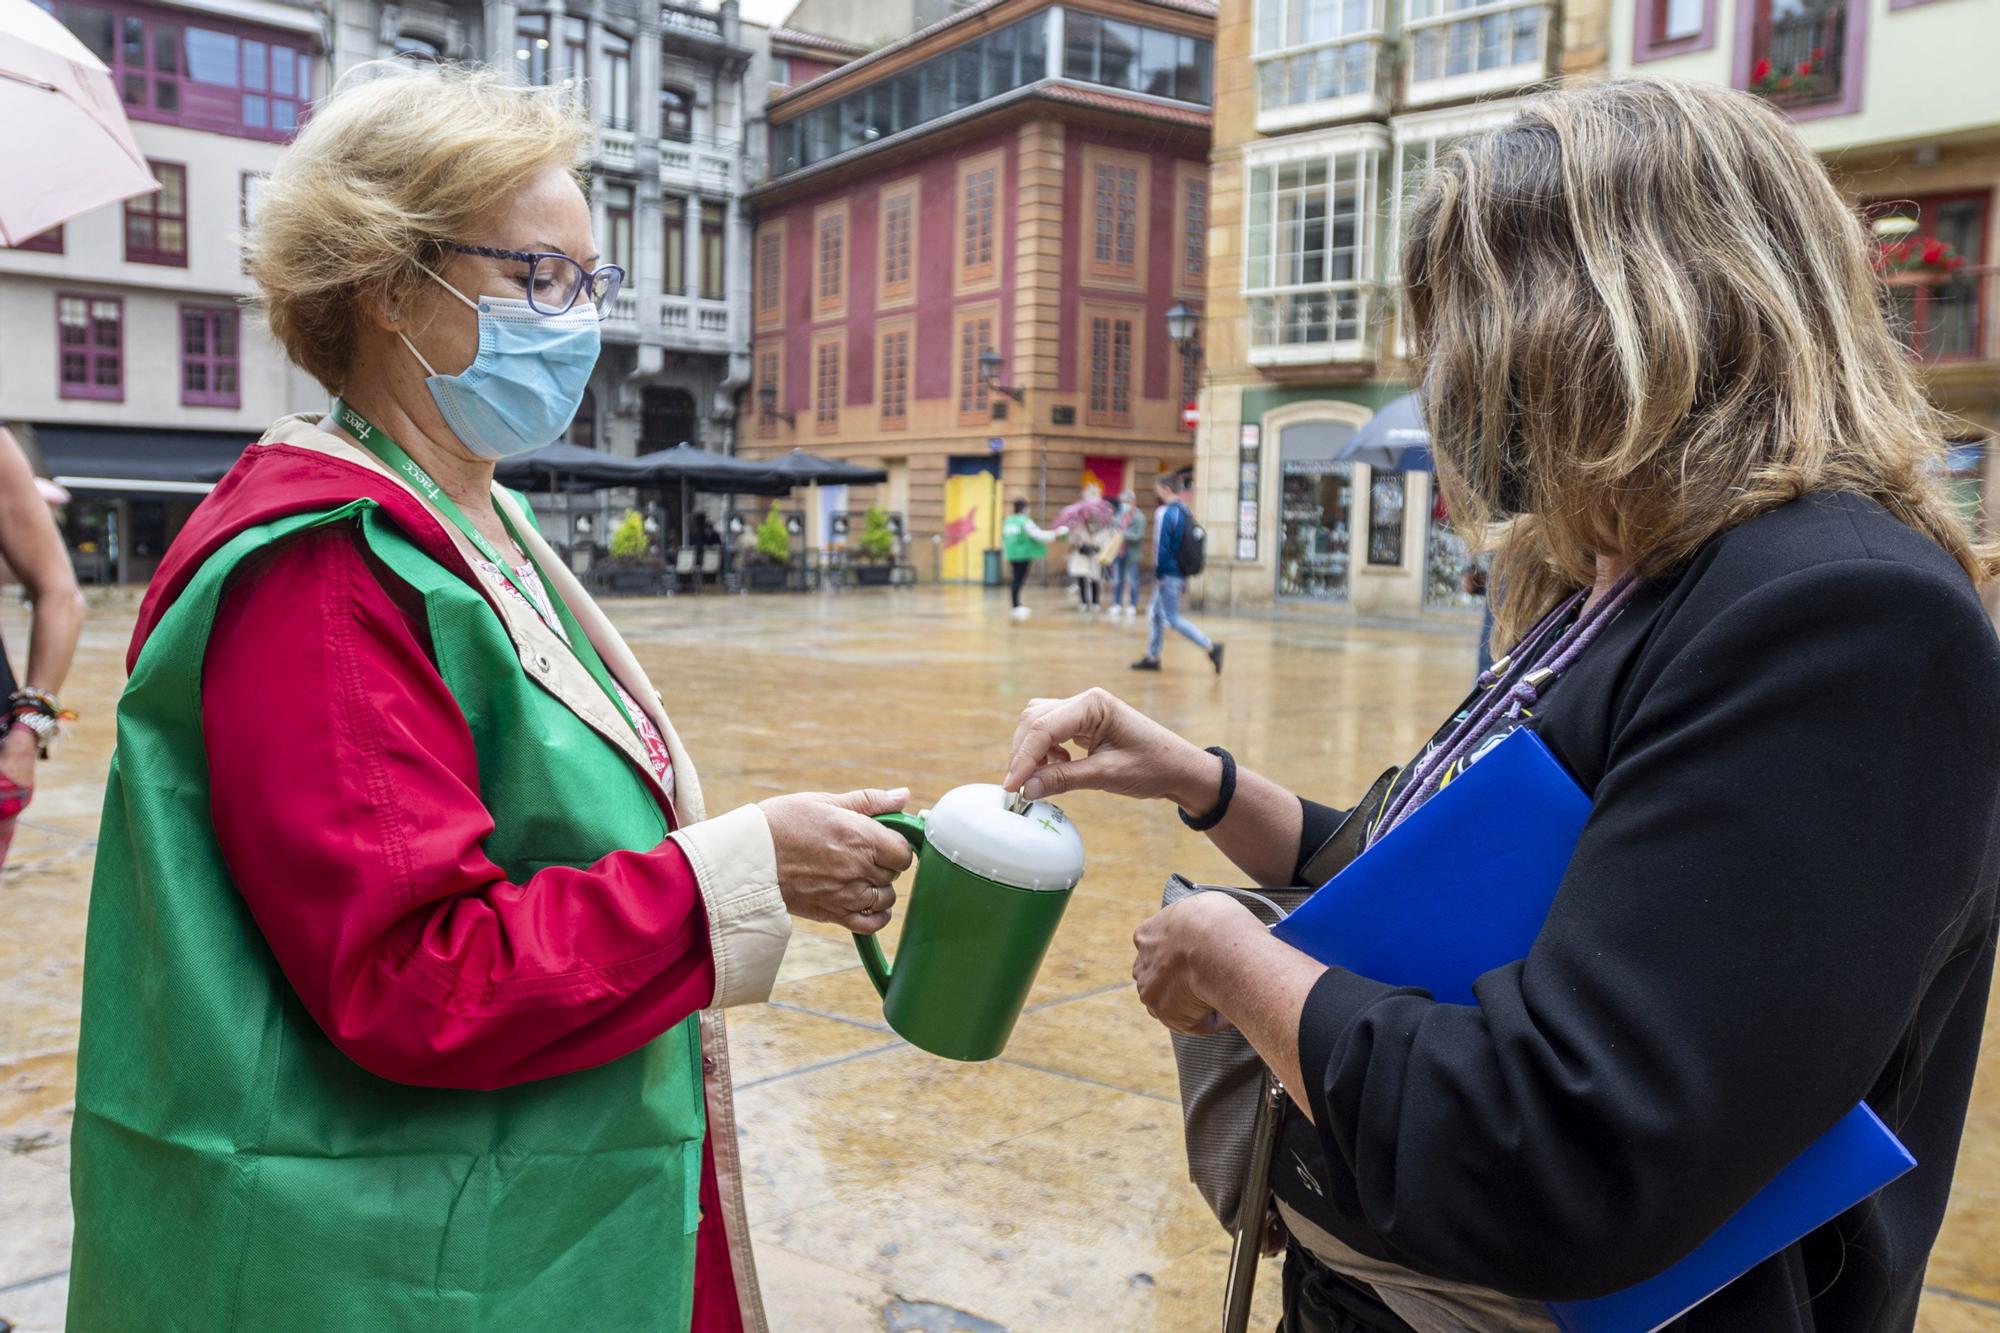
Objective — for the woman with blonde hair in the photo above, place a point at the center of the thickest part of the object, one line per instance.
(408, 923)
(1744, 615)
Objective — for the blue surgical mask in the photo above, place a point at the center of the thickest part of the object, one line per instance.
(523, 389)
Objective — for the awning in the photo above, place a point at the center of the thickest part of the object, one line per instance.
(803, 469)
(113, 460)
(703, 470)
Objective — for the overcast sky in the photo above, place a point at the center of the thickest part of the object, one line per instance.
(767, 12)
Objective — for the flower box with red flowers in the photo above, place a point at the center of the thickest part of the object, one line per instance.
(1918, 258)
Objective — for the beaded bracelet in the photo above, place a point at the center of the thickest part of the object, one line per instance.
(39, 713)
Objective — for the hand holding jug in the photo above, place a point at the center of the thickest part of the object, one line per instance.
(992, 884)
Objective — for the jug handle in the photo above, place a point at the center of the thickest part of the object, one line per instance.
(872, 959)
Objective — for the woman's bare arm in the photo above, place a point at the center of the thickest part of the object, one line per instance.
(35, 551)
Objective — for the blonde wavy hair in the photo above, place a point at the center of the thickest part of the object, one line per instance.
(1644, 315)
(396, 161)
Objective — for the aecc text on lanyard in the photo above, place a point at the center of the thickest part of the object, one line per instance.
(377, 442)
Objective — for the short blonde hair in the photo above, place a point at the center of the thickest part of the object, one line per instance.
(391, 165)
(1644, 308)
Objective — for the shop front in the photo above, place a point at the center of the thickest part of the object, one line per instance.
(131, 491)
(1315, 508)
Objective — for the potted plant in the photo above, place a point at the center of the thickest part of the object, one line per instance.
(875, 563)
(1804, 81)
(1916, 260)
(771, 565)
(632, 568)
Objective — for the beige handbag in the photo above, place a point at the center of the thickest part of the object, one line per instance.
(1221, 1077)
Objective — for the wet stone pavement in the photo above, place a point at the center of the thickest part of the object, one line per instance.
(889, 1190)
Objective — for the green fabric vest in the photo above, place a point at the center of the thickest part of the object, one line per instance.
(1016, 541)
(234, 1171)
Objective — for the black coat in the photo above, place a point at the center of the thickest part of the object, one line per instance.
(1783, 903)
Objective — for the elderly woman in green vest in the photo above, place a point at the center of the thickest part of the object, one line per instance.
(409, 924)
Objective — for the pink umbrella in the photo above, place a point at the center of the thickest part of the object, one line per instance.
(69, 149)
(1085, 511)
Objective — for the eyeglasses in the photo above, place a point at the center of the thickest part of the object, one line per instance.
(555, 282)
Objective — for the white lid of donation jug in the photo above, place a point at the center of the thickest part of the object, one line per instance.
(976, 829)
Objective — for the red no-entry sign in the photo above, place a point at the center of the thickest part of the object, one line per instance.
(1190, 416)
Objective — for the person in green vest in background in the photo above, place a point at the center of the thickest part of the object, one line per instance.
(1024, 542)
(410, 931)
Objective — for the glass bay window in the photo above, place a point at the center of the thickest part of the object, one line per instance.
(1312, 255)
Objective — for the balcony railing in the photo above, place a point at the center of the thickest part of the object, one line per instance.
(1463, 48)
(616, 149)
(691, 20)
(1949, 319)
(1798, 50)
(1338, 322)
(679, 314)
(1321, 82)
(625, 307)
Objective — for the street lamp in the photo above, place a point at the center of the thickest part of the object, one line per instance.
(767, 404)
(989, 375)
(1183, 324)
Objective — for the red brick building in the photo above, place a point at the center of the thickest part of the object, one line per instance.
(1021, 181)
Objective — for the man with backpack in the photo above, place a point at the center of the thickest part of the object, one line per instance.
(1178, 555)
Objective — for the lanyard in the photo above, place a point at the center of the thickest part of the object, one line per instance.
(377, 442)
(1505, 693)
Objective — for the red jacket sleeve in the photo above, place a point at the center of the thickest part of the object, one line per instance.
(345, 796)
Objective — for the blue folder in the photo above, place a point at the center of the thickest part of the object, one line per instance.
(1461, 887)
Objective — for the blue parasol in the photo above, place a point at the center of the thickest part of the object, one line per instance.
(1394, 440)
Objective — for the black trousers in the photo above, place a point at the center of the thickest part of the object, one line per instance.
(1020, 577)
(1086, 592)
(1319, 1300)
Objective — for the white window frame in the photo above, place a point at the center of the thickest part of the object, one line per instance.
(1451, 87)
(1366, 148)
(1290, 115)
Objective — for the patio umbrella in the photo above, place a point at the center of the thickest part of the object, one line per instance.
(1074, 515)
(804, 469)
(1394, 440)
(572, 467)
(704, 470)
(693, 468)
(71, 149)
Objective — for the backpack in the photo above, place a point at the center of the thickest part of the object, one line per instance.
(1193, 547)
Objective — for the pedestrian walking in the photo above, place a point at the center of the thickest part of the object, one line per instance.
(1024, 542)
(1087, 542)
(1173, 552)
(34, 550)
(1130, 522)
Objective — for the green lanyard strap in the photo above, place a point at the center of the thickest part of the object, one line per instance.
(377, 442)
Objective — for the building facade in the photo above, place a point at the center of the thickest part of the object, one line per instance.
(677, 94)
(1897, 96)
(1023, 183)
(1327, 113)
(868, 23)
(800, 57)
(127, 353)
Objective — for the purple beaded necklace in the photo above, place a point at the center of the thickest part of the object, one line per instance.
(1506, 689)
